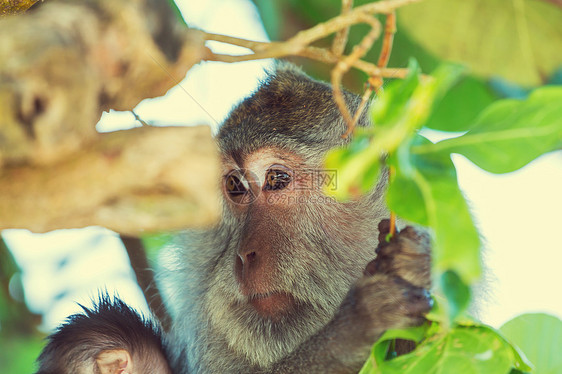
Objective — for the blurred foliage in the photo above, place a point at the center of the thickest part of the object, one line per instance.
(295, 15)
(153, 243)
(423, 189)
(18, 353)
(517, 40)
(539, 335)
(465, 348)
(461, 105)
(20, 341)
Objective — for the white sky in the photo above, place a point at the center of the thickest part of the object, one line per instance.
(519, 214)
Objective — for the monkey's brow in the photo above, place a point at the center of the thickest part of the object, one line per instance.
(237, 157)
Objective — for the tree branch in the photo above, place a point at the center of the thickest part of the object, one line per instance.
(57, 172)
(133, 181)
(340, 40)
(145, 278)
(62, 65)
(299, 45)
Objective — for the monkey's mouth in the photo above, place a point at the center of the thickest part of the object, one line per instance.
(272, 304)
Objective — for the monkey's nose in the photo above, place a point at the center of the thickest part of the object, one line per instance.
(247, 257)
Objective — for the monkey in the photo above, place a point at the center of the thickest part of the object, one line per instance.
(284, 283)
(110, 338)
(290, 280)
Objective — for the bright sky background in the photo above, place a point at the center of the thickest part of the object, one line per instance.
(519, 214)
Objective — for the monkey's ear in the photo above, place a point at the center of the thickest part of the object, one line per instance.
(115, 361)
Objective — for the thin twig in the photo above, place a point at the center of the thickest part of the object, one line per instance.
(377, 81)
(246, 43)
(354, 17)
(364, 100)
(340, 40)
(388, 38)
(345, 64)
(300, 45)
(137, 117)
(392, 231)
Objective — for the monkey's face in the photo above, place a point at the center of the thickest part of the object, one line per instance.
(292, 253)
(287, 253)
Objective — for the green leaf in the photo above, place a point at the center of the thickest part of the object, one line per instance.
(460, 106)
(358, 166)
(519, 40)
(380, 348)
(271, 16)
(153, 243)
(391, 105)
(400, 110)
(405, 105)
(457, 293)
(463, 349)
(539, 336)
(434, 199)
(511, 133)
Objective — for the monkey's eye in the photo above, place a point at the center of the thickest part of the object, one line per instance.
(276, 179)
(234, 186)
(241, 186)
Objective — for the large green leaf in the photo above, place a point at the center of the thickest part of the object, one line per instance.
(425, 190)
(519, 40)
(380, 348)
(511, 133)
(271, 15)
(457, 293)
(461, 105)
(462, 349)
(539, 336)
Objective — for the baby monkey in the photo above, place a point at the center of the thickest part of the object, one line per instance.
(110, 338)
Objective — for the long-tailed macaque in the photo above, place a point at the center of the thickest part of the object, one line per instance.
(290, 281)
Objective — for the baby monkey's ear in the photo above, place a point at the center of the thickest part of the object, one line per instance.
(117, 361)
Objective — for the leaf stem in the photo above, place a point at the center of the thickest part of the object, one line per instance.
(392, 230)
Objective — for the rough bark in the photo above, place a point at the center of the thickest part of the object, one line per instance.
(15, 6)
(133, 181)
(61, 65)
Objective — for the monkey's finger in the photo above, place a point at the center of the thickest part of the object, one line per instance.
(384, 230)
(417, 235)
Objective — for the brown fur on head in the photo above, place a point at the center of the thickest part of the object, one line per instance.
(290, 110)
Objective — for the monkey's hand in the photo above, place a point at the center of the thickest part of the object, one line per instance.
(394, 292)
(407, 255)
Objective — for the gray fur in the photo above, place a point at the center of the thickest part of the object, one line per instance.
(318, 254)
